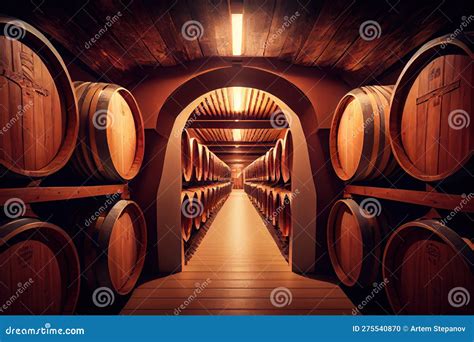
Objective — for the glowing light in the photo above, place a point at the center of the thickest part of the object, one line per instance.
(237, 24)
(237, 95)
(237, 134)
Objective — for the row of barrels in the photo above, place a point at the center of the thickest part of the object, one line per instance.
(421, 124)
(43, 270)
(48, 122)
(198, 204)
(275, 205)
(274, 166)
(426, 266)
(199, 164)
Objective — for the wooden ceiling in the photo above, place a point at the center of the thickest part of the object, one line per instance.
(323, 34)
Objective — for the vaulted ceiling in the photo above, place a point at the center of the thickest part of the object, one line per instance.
(120, 39)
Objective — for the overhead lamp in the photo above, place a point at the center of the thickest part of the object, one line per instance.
(237, 134)
(237, 24)
(237, 95)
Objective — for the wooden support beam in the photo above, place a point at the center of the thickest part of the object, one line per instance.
(232, 124)
(240, 143)
(47, 194)
(426, 198)
(239, 150)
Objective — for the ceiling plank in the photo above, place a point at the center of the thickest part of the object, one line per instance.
(229, 124)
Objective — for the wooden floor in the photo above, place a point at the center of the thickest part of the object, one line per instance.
(235, 270)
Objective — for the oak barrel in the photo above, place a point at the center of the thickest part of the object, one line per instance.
(39, 268)
(354, 243)
(429, 270)
(186, 220)
(359, 136)
(277, 152)
(186, 157)
(284, 215)
(430, 117)
(111, 134)
(196, 151)
(115, 252)
(287, 157)
(38, 112)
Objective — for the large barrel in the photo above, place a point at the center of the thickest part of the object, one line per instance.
(38, 112)
(277, 152)
(359, 140)
(115, 251)
(287, 157)
(39, 269)
(429, 270)
(205, 162)
(111, 134)
(430, 129)
(186, 220)
(196, 151)
(354, 243)
(186, 157)
(284, 213)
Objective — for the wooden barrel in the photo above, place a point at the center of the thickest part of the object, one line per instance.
(115, 252)
(211, 166)
(277, 152)
(359, 140)
(205, 163)
(276, 210)
(354, 243)
(429, 270)
(39, 269)
(269, 204)
(271, 165)
(111, 134)
(38, 112)
(204, 200)
(186, 220)
(195, 152)
(284, 216)
(287, 157)
(186, 157)
(198, 208)
(430, 129)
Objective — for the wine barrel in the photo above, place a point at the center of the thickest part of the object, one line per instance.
(276, 210)
(269, 204)
(195, 152)
(211, 166)
(39, 269)
(277, 152)
(39, 120)
(287, 157)
(431, 110)
(354, 243)
(204, 202)
(359, 140)
(284, 216)
(115, 252)
(186, 220)
(198, 208)
(111, 134)
(429, 270)
(271, 165)
(205, 163)
(186, 157)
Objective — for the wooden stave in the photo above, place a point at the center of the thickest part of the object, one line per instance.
(365, 170)
(277, 159)
(97, 266)
(370, 237)
(37, 42)
(463, 248)
(287, 157)
(93, 152)
(71, 266)
(418, 61)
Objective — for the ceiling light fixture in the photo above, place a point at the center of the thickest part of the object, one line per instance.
(237, 24)
(237, 103)
(237, 134)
